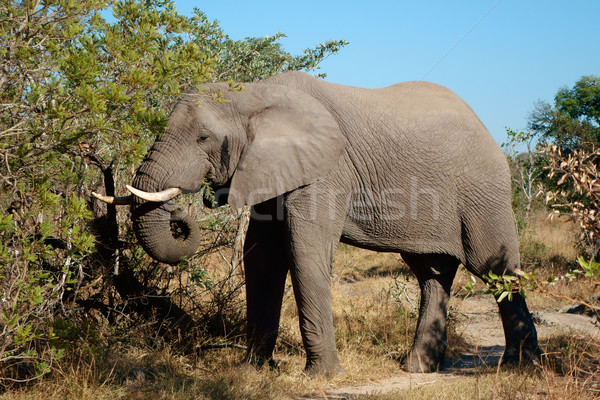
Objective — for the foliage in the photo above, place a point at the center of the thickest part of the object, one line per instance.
(573, 121)
(82, 96)
(258, 58)
(505, 286)
(578, 174)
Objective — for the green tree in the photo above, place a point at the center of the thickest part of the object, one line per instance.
(573, 121)
(258, 58)
(81, 99)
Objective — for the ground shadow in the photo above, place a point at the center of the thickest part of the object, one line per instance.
(478, 357)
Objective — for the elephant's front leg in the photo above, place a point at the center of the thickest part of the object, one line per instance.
(313, 241)
(265, 267)
(312, 289)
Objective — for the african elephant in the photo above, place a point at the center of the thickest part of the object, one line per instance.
(408, 168)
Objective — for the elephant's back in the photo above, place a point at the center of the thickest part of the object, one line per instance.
(430, 110)
(437, 126)
(414, 127)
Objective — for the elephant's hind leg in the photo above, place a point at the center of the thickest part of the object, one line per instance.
(519, 330)
(266, 268)
(492, 247)
(435, 273)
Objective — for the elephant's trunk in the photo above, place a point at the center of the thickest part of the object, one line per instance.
(168, 235)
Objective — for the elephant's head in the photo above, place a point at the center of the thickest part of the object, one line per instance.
(250, 146)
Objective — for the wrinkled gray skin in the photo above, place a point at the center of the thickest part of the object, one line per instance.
(408, 168)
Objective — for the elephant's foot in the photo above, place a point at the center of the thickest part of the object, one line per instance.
(526, 354)
(418, 362)
(259, 357)
(327, 366)
(262, 362)
(324, 370)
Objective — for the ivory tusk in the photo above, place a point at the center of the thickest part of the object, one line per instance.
(118, 201)
(157, 197)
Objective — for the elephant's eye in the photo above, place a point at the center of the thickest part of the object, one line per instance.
(202, 138)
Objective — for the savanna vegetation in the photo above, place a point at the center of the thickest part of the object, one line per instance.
(86, 87)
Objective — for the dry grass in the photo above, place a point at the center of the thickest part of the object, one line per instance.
(372, 327)
(549, 243)
(524, 385)
(549, 248)
(375, 299)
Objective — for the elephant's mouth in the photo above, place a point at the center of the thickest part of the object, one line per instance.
(215, 196)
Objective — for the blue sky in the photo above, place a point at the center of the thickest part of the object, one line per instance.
(499, 56)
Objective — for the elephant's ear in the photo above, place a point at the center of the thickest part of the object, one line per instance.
(293, 140)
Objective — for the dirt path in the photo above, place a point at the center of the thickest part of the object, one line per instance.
(478, 322)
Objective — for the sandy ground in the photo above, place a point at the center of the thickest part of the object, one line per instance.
(478, 322)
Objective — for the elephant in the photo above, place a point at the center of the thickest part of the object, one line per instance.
(407, 168)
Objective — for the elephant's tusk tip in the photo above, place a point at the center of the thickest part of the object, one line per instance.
(119, 201)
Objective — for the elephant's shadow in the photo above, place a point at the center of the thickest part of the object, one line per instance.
(473, 359)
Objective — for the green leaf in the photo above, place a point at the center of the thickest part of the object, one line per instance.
(502, 296)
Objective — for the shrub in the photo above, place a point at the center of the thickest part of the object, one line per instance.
(83, 95)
